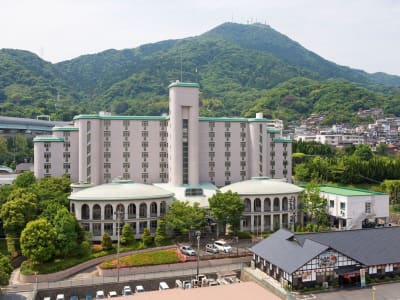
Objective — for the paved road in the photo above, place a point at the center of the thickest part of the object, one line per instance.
(390, 291)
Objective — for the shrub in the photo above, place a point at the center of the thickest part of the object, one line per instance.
(147, 238)
(127, 235)
(243, 235)
(106, 241)
(85, 249)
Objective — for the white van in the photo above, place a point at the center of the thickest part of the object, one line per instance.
(163, 286)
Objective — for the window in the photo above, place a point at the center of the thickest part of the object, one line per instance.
(96, 212)
(88, 126)
(125, 123)
(125, 133)
(126, 165)
(125, 144)
(145, 154)
(163, 208)
(96, 229)
(143, 210)
(367, 207)
(108, 212)
(126, 154)
(145, 123)
(132, 211)
(108, 227)
(85, 214)
(342, 205)
(211, 134)
(227, 135)
(145, 133)
(153, 209)
(227, 164)
(145, 144)
(107, 144)
(211, 144)
(107, 165)
(331, 203)
(107, 133)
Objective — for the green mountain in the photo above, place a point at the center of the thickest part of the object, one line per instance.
(241, 68)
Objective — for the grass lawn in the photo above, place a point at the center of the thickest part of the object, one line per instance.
(160, 257)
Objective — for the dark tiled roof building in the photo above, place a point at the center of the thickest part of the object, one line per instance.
(303, 260)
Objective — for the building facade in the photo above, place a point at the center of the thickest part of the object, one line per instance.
(352, 208)
(180, 149)
(329, 258)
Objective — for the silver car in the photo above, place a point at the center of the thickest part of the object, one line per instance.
(211, 248)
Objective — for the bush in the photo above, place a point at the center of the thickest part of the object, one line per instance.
(106, 242)
(243, 235)
(85, 249)
(127, 237)
(147, 238)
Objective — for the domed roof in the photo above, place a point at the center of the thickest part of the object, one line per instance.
(262, 186)
(121, 190)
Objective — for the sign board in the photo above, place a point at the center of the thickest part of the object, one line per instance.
(362, 277)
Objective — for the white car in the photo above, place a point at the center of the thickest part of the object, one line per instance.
(112, 294)
(187, 250)
(126, 291)
(139, 289)
(60, 297)
(223, 246)
(100, 295)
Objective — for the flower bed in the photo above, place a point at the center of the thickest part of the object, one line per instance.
(160, 257)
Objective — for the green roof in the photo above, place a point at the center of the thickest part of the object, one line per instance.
(47, 139)
(281, 140)
(149, 118)
(273, 130)
(66, 128)
(184, 84)
(345, 191)
(225, 119)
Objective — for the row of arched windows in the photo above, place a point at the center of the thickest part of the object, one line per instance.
(131, 213)
(267, 205)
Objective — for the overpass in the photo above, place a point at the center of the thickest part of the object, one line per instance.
(9, 126)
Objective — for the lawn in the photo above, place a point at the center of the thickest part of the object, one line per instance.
(160, 257)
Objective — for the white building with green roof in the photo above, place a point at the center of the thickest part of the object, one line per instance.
(350, 208)
(179, 149)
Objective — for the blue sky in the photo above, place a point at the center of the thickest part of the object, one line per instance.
(363, 34)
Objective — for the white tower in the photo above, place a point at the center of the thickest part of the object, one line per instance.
(183, 133)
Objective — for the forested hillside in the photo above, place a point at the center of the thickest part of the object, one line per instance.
(241, 69)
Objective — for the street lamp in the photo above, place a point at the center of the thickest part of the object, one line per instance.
(198, 233)
(118, 213)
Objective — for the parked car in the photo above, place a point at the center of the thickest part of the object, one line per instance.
(126, 291)
(187, 250)
(88, 296)
(100, 295)
(163, 286)
(74, 297)
(60, 297)
(212, 248)
(223, 246)
(139, 289)
(112, 294)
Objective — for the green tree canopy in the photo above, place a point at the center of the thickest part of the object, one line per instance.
(363, 152)
(182, 217)
(314, 206)
(227, 208)
(5, 269)
(38, 240)
(106, 241)
(24, 180)
(65, 225)
(160, 237)
(147, 239)
(127, 235)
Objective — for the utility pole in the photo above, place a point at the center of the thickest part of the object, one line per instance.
(198, 233)
(118, 241)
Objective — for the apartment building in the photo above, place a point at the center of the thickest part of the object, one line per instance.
(179, 149)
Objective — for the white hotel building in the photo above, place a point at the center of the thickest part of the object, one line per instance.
(179, 149)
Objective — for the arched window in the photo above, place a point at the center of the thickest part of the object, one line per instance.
(163, 208)
(73, 208)
(85, 212)
(132, 211)
(285, 203)
(153, 209)
(96, 212)
(247, 205)
(143, 210)
(267, 204)
(108, 212)
(257, 205)
(121, 211)
(276, 204)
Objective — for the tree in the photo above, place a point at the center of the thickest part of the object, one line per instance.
(66, 235)
(127, 235)
(181, 217)
(313, 205)
(147, 239)
(382, 149)
(38, 240)
(160, 237)
(227, 208)
(24, 180)
(392, 187)
(106, 242)
(363, 152)
(50, 190)
(17, 213)
(5, 269)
